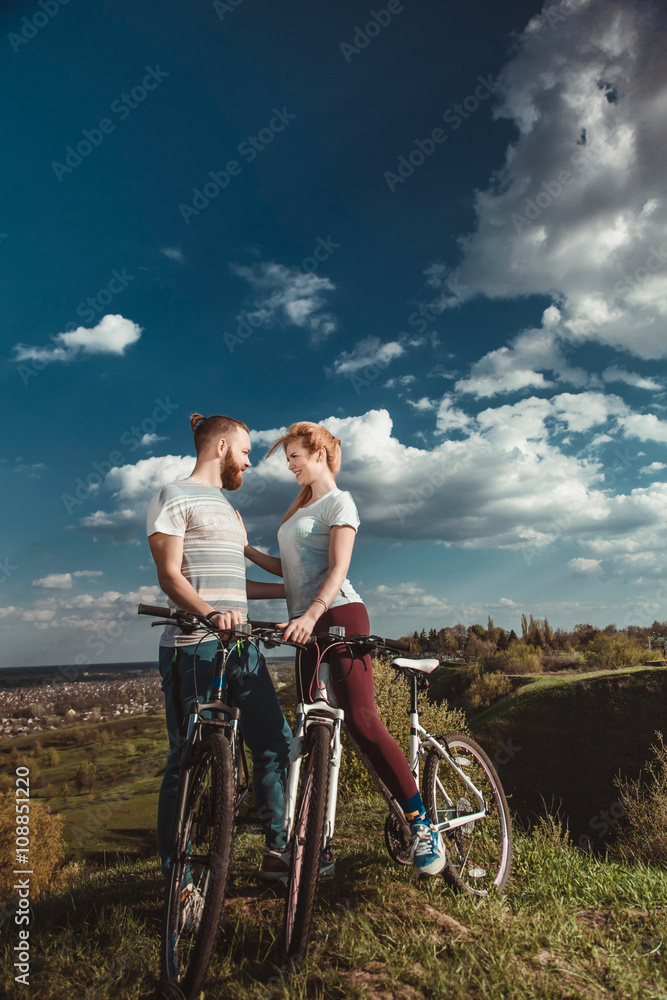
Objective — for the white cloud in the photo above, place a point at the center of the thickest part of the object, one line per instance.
(616, 374)
(450, 418)
(522, 364)
(401, 380)
(118, 525)
(55, 581)
(88, 572)
(173, 253)
(368, 352)
(289, 297)
(143, 479)
(502, 481)
(647, 470)
(148, 439)
(578, 209)
(645, 426)
(112, 335)
(581, 565)
(405, 599)
(423, 405)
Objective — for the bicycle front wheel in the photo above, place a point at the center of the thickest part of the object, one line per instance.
(479, 853)
(307, 841)
(198, 875)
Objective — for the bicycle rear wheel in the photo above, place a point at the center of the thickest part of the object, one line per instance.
(198, 875)
(479, 853)
(307, 841)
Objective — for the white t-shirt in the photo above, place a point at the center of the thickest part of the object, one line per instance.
(304, 550)
(213, 541)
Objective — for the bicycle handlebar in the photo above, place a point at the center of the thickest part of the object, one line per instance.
(368, 640)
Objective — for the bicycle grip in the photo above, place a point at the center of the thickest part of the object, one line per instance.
(398, 644)
(155, 611)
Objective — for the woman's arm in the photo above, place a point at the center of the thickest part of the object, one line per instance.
(270, 563)
(341, 543)
(257, 590)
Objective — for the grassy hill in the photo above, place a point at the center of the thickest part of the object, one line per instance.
(560, 741)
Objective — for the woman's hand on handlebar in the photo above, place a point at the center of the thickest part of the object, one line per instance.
(299, 629)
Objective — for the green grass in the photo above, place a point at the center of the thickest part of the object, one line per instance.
(570, 926)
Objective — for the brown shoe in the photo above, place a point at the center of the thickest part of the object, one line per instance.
(275, 865)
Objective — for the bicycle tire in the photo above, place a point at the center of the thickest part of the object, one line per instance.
(202, 854)
(307, 842)
(479, 854)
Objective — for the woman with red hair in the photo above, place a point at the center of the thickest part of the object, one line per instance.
(316, 538)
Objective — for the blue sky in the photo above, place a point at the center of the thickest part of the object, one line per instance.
(440, 230)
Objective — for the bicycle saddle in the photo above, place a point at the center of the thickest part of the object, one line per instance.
(422, 666)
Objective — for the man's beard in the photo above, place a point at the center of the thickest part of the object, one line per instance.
(231, 474)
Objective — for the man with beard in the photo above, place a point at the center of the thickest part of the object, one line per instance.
(197, 538)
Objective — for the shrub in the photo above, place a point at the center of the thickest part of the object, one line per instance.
(25, 760)
(393, 703)
(127, 749)
(487, 688)
(518, 658)
(51, 757)
(552, 662)
(47, 847)
(76, 736)
(85, 776)
(642, 837)
(608, 652)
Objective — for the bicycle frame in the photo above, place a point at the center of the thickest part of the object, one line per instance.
(421, 740)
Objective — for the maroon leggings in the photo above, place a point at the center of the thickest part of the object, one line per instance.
(353, 687)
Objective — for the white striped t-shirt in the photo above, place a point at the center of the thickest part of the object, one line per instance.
(213, 542)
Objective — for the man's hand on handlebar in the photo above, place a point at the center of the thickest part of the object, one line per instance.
(224, 621)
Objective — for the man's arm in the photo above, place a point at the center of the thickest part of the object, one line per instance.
(167, 551)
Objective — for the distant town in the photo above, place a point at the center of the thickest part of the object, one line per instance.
(42, 699)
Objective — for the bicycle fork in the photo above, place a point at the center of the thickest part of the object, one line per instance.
(306, 715)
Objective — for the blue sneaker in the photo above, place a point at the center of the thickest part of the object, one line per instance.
(427, 851)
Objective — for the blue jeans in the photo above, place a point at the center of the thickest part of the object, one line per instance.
(263, 727)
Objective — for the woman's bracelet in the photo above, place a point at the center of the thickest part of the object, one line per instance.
(326, 606)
